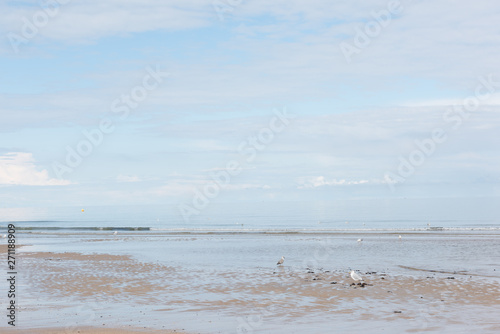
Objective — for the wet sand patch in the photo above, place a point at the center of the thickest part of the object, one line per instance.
(282, 294)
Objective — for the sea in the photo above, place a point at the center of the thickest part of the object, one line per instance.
(452, 214)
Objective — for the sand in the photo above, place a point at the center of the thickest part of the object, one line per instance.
(430, 300)
(87, 330)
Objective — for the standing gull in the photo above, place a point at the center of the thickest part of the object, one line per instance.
(359, 240)
(280, 262)
(355, 276)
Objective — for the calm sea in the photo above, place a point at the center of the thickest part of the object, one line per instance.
(339, 215)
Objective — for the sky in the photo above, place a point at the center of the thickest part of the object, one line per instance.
(188, 102)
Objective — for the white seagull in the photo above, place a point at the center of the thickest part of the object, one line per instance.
(355, 276)
(115, 232)
(4, 236)
(400, 237)
(359, 240)
(280, 262)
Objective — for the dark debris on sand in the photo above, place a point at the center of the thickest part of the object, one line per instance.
(362, 284)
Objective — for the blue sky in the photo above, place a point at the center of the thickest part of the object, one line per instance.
(358, 121)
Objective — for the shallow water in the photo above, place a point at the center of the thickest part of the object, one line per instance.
(476, 252)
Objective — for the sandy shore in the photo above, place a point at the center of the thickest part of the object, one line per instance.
(88, 330)
(103, 293)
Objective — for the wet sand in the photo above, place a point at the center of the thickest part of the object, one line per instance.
(282, 294)
(102, 293)
(88, 330)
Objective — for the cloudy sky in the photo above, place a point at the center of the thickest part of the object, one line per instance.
(149, 101)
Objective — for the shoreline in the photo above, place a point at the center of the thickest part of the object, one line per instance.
(90, 330)
(45, 230)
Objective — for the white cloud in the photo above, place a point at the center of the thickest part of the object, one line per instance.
(18, 168)
(84, 22)
(320, 181)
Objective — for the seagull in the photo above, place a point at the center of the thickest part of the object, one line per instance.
(115, 232)
(400, 237)
(355, 276)
(280, 262)
(4, 236)
(359, 240)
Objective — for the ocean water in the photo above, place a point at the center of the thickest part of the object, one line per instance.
(339, 215)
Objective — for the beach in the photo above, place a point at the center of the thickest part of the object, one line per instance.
(250, 167)
(230, 283)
